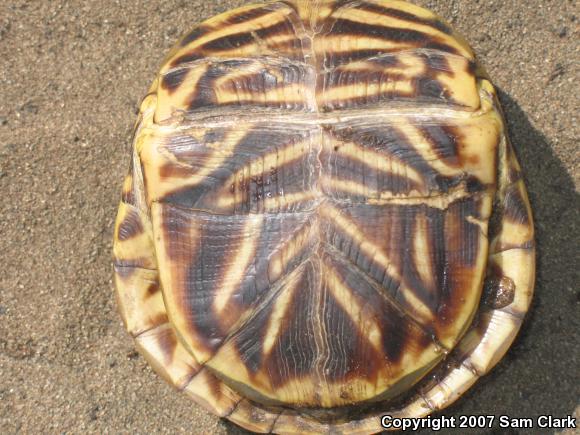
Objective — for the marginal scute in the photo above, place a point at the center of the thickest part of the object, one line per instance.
(127, 193)
(516, 205)
(161, 348)
(513, 227)
(323, 220)
(447, 390)
(133, 239)
(141, 308)
(257, 419)
(130, 226)
(208, 391)
(290, 422)
(485, 345)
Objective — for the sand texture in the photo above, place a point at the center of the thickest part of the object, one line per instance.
(72, 74)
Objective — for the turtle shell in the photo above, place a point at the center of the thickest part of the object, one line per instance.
(324, 221)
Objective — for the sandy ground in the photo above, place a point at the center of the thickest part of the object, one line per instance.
(72, 73)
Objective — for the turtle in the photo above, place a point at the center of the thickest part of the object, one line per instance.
(324, 221)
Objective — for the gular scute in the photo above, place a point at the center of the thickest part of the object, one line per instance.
(307, 216)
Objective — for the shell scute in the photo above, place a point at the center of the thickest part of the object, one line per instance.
(318, 193)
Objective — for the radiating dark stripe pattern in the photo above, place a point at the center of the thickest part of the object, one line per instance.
(275, 224)
(332, 255)
(131, 226)
(389, 142)
(405, 16)
(262, 79)
(453, 244)
(226, 252)
(363, 54)
(264, 166)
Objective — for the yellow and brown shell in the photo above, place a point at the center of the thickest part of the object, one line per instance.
(324, 221)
